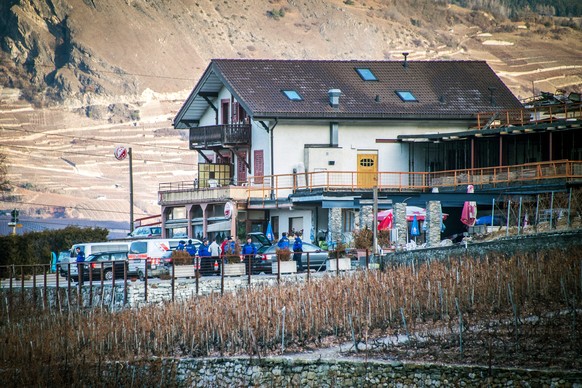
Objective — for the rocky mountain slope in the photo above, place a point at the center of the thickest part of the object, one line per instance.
(103, 73)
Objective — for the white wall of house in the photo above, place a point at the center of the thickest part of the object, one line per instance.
(284, 216)
(290, 140)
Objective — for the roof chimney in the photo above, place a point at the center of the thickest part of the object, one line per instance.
(334, 95)
(405, 64)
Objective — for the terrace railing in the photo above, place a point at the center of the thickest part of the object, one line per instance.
(529, 116)
(280, 186)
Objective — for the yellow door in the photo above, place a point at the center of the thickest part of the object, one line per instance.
(367, 170)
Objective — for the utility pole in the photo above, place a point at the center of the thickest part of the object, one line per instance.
(130, 191)
(375, 223)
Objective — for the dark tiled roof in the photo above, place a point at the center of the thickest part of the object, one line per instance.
(444, 89)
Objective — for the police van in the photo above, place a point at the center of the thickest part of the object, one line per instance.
(151, 253)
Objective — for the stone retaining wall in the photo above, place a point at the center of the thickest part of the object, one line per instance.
(508, 246)
(295, 372)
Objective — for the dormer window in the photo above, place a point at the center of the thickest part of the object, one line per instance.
(366, 74)
(406, 96)
(292, 95)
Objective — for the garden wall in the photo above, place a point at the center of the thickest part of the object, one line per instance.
(293, 372)
(509, 246)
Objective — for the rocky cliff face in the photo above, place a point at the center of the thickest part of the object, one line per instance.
(43, 37)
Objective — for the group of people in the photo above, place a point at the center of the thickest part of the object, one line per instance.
(227, 247)
(284, 242)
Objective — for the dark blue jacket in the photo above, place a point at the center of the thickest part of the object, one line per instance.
(283, 243)
(203, 250)
(297, 245)
(80, 257)
(249, 249)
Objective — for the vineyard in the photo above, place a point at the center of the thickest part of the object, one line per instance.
(522, 311)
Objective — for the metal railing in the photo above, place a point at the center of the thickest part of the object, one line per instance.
(529, 116)
(15, 280)
(280, 186)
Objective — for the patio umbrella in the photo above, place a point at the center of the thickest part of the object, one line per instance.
(411, 211)
(386, 222)
(414, 230)
(469, 213)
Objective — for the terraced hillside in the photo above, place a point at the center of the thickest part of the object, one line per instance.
(121, 70)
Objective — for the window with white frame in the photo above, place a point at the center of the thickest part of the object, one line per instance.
(348, 220)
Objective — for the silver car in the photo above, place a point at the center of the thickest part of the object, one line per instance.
(267, 254)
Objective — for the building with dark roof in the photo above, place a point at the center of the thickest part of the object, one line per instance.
(302, 143)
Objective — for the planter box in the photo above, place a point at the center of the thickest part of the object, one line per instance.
(286, 267)
(345, 263)
(237, 269)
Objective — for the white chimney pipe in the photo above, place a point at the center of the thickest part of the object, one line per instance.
(334, 95)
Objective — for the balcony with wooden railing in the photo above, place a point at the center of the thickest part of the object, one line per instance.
(282, 185)
(220, 135)
(538, 115)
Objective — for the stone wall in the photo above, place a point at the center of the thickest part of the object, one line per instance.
(508, 246)
(297, 372)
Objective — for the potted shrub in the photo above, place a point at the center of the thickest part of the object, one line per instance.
(183, 264)
(287, 264)
(338, 256)
(363, 239)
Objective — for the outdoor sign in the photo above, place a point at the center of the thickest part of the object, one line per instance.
(120, 152)
(228, 210)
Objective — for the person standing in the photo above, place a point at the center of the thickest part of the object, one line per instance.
(249, 248)
(203, 250)
(80, 266)
(190, 248)
(297, 252)
(283, 242)
(215, 248)
(223, 245)
(181, 245)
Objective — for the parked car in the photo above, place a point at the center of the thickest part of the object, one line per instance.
(101, 266)
(266, 255)
(146, 232)
(259, 239)
(89, 249)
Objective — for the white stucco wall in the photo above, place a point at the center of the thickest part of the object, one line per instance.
(284, 216)
(353, 138)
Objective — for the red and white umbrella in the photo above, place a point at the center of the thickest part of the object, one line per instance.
(386, 217)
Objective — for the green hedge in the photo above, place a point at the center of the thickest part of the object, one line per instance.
(36, 247)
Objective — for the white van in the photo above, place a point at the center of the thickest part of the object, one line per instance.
(152, 252)
(93, 247)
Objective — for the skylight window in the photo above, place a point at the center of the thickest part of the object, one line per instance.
(292, 95)
(366, 74)
(406, 96)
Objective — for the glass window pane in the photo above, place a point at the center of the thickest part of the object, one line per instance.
(292, 95)
(366, 74)
(406, 95)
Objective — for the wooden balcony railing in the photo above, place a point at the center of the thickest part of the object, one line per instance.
(285, 184)
(529, 116)
(226, 134)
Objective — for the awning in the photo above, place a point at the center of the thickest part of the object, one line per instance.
(219, 226)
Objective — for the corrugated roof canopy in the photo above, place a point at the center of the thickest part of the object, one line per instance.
(442, 89)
